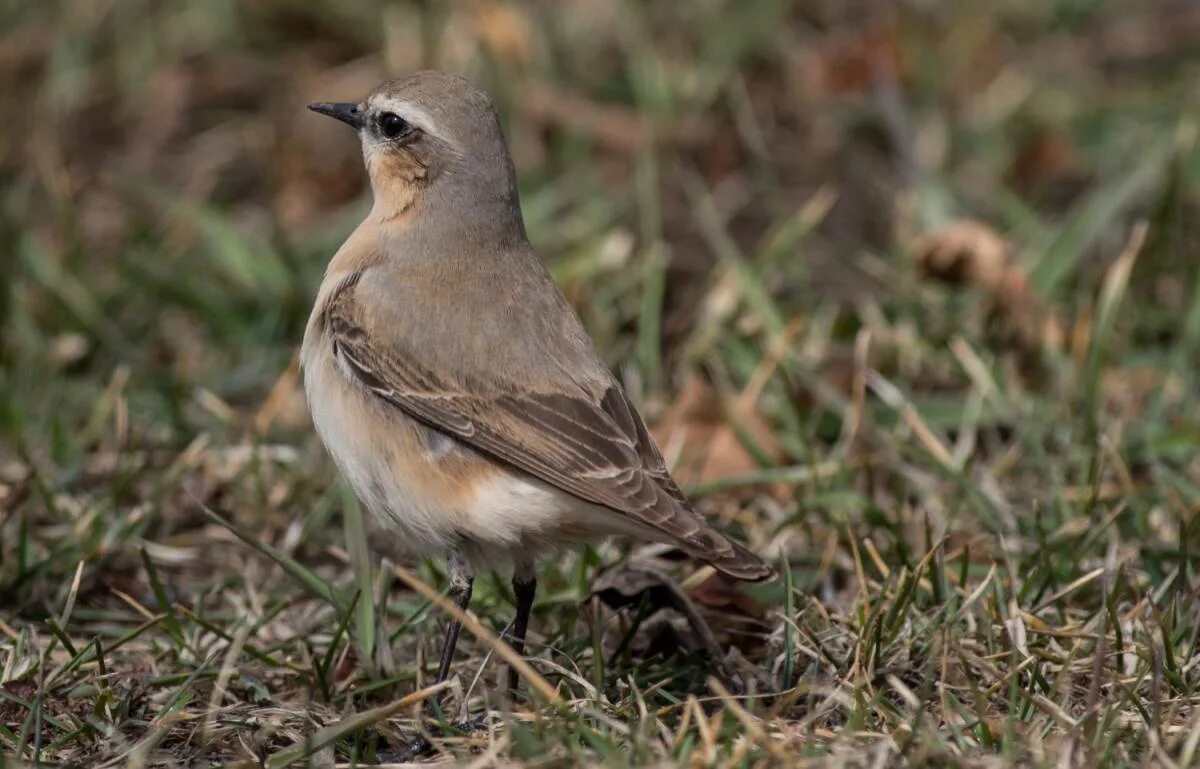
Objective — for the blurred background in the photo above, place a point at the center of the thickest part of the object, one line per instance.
(877, 273)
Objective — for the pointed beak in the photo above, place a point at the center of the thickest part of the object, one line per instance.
(348, 113)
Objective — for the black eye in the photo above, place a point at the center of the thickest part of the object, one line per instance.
(392, 125)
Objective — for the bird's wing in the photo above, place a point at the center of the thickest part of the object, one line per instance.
(586, 440)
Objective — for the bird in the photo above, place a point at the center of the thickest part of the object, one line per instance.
(455, 388)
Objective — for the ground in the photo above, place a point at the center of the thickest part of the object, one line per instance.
(908, 292)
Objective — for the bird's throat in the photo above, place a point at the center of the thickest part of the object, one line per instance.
(398, 181)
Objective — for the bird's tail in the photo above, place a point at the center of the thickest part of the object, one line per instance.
(742, 564)
(726, 555)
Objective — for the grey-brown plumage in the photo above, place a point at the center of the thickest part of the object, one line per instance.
(571, 426)
(453, 384)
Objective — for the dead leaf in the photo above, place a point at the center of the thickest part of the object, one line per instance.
(633, 585)
(285, 402)
(698, 437)
(852, 63)
(857, 65)
(964, 252)
(970, 253)
(1044, 157)
(719, 593)
(715, 617)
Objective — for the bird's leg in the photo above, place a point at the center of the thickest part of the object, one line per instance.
(461, 580)
(524, 585)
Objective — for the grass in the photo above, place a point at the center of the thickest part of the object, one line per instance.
(979, 477)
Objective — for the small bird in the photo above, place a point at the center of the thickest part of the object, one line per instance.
(456, 390)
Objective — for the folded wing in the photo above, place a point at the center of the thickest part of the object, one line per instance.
(587, 441)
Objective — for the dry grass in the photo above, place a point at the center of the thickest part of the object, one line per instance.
(908, 291)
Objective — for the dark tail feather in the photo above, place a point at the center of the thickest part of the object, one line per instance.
(726, 555)
(696, 537)
(742, 564)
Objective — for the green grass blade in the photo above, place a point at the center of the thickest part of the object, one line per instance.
(310, 581)
(1050, 268)
(360, 560)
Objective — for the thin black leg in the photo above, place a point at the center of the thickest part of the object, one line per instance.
(524, 588)
(461, 580)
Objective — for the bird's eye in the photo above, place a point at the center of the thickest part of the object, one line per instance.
(392, 125)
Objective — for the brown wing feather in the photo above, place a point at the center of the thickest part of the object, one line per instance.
(597, 450)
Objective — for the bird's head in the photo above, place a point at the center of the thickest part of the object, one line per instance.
(431, 139)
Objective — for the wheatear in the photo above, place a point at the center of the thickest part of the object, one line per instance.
(455, 388)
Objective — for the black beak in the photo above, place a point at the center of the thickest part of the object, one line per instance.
(349, 114)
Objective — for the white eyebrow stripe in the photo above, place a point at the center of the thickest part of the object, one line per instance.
(413, 114)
